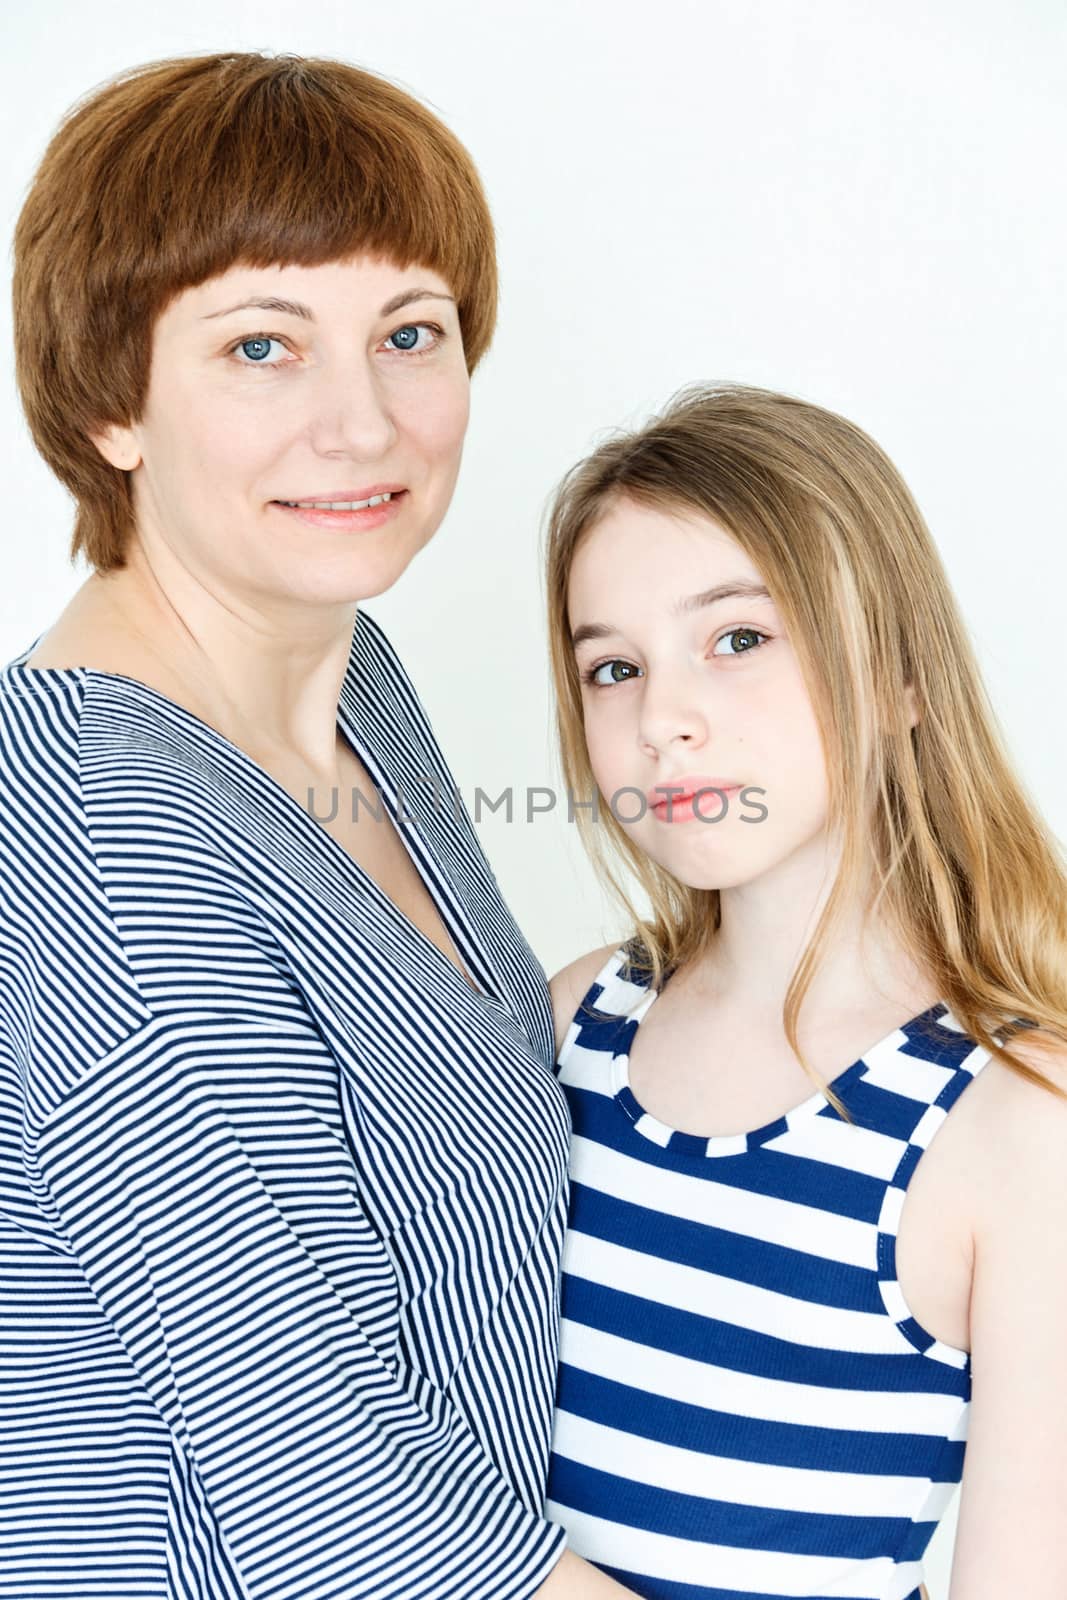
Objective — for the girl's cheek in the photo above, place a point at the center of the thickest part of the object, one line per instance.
(599, 755)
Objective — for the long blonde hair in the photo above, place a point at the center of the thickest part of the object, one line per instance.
(968, 875)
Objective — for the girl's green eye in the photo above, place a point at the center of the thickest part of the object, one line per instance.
(594, 674)
(607, 673)
(741, 633)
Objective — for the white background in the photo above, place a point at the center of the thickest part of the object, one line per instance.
(861, 203)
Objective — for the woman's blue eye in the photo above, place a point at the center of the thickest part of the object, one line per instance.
(405, 338)
(257, 348)
(254, 351)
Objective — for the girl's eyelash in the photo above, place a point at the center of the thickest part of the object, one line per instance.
(250, 338)
(744, 627)
(590, 673)
(587, 674)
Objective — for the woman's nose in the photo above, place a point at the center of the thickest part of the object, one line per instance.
(353, 415)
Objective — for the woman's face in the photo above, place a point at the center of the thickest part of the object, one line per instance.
(689, 689)
(346, 382)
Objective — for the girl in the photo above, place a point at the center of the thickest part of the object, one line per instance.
(818, 1224)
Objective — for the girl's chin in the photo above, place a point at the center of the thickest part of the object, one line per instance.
(721, 874)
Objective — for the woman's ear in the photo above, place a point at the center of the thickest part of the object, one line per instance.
(118, 446)
(911, 704)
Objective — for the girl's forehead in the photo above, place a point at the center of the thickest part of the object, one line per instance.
(618, 590)
(652, 550)
(681, 528)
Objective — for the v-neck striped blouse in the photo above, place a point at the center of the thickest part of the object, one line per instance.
(281, 1197)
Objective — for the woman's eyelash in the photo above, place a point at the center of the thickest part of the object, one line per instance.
(432, 327)
(276, 338)
(256, 338)
(589, 673)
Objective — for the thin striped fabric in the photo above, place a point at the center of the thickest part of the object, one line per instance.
(746, 1408)
(282, 1198)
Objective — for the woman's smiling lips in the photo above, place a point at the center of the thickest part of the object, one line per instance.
(365, 508)
(678, 800)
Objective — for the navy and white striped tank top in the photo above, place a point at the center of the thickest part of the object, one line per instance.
(746, 1408)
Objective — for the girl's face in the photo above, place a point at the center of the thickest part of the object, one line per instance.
(340, 382)
(689, 682)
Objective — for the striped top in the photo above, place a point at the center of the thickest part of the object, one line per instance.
(282, 1199)
(746, 1408)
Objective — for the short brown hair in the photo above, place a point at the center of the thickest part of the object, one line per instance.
(176, 170)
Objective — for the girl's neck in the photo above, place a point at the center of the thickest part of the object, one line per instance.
(766, 925)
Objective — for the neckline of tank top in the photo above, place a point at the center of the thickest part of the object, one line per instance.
(702, 1146)
(16, 672)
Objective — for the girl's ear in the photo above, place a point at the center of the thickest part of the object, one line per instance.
(911, 703)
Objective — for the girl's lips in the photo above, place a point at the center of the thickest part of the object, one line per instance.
(354, 521)
(709, 806)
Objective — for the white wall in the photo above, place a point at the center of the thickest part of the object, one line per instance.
(853, 201)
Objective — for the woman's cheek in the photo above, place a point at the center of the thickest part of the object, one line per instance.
(443, 416)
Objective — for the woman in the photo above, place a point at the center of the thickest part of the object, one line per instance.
(777, 1302)
(283, 1160)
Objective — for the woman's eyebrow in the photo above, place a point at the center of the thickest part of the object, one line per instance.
(296, 308)
(409, 296)
(736, 588)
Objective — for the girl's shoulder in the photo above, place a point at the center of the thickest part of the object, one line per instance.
(1017, 1129)
(1001, 1159)
(572, 983)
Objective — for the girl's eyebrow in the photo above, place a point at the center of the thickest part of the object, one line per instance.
(732, 589)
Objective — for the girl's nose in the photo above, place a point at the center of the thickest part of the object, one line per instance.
(670, 721)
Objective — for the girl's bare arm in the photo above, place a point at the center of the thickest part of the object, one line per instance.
(1010, 1535)
(574, 1579)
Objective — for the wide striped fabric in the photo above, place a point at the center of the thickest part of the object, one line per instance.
(746, 1408)
(282, 1199)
